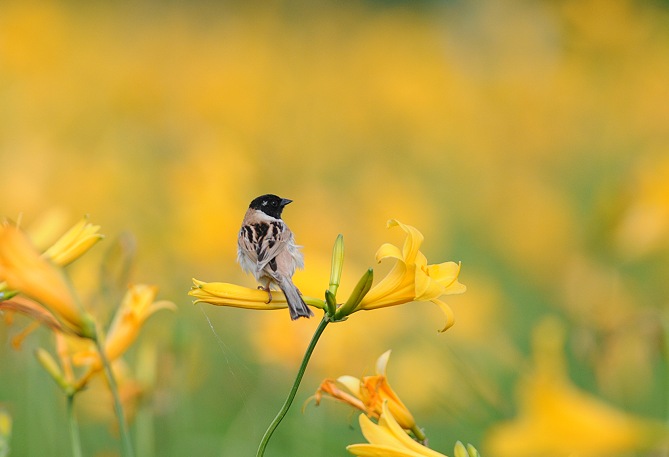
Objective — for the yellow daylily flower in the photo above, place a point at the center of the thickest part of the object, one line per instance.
(412, 279)
(137, 305)
(74, 243)
(224, 294)
(24, 270)
(556, 418)
(388, 439)
(370, 393)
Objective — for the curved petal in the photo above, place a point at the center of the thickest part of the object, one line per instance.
(426, 287)
(235, 292)
(444, 273)
(402, 436)
(375, 450)
(421, 260)
(450, 317)
(382, 363)
(388, 250)
(387, 286)
(377, 434)
(351, 383)
(413, 241)
(157, 306)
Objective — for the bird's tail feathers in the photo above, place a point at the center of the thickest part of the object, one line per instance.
(296, 305)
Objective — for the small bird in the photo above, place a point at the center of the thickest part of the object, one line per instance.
(266, 247)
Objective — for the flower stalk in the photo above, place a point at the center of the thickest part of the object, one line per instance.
(74, 427)
(293, 391)
(122, 423)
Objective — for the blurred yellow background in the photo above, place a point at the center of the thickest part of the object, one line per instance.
(529, 140)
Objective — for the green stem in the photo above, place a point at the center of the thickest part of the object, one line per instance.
(122, 424)
(418, 433)
(74, 427)
(296, 384)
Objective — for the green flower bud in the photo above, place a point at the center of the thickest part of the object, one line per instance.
(357, 295)
(331, 304)
(337, 265)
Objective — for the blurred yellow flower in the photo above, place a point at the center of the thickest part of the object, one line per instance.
(74, 243)
(137, 305)
(412, 279)
(32, 309)
(388, 439)
(96, 402)
(371, 393)
(556, 418)
(5, 423)
(24, 270)
(5, 431)
(224, 294)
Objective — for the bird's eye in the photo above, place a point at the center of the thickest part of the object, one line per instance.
(273, 203)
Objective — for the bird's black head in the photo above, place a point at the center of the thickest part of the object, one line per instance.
(270, 205)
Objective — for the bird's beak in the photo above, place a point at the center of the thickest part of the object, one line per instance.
(285, 201)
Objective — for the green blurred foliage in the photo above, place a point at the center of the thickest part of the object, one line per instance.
(528, 140)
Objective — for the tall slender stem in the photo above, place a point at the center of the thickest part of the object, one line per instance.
(296, 384)
(122, 424)
(74, 427)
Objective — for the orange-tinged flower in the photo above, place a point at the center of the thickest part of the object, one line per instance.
(74, 243)
(329, 386)
(24, 270)
(374, 390)
(137, 305)
(370, 393)
(412, 279)
(556, 418)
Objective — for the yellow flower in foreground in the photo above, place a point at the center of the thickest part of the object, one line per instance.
(5, 431)
(5, 423)
(556, 418)
(74, 243)
(24, 270)
(224, 294)
(371, 392)
(412, 279)
(137, 305)
(388, 439)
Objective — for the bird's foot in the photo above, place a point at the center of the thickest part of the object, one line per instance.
(269, 292)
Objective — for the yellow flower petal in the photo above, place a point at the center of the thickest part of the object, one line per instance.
(402, 436)
(224, 294)
(388, 251)
(450, 317)
(396, 288)
(137, 305)
(375, 450)
(412, 243)
(23, 269)
(426, 287)
(377, 434)
(382, 363)
(444, 273)
(351, 383)
(74, 243)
